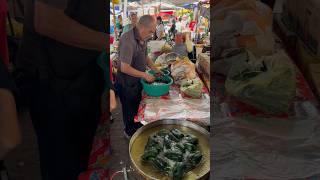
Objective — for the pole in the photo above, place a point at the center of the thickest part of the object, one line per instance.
(160, 8)
(125, 4)
(142, 7)
(114, 21)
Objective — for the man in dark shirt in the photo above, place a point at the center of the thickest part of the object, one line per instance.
(58, 59)
(131, 68)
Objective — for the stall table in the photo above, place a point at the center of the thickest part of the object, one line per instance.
(175, 105)
(265, 138)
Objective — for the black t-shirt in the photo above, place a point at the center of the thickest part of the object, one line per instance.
(5, 79)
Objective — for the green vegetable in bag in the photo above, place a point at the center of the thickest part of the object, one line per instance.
(178, 171)
(191, 139)
(189, 147)
(192, 88)
(194, 159)
(179, 147)
(174, 155)
(268, 84)
(163, 132)
(150, 154)
(161, 164)
(155, 141)
(173, 137)
(168, 143)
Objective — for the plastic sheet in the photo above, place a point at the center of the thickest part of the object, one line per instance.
(175, 106)
(250, 144)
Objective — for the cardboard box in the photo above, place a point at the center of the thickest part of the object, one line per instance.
(315, 78)
(303, 17)
(310, 66)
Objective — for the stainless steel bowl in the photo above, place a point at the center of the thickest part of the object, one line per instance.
(140, 138)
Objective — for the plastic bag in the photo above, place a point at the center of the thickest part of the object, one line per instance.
(161, 59)
(250, 144)
(192, 88)
(268, 84)
(183, 69)
(166, 48)
(189, 46)
(245, 23)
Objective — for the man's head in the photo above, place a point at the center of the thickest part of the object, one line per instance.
(146, 26)
(133, 18)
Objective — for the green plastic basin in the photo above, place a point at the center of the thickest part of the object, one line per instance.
(165, 72)
(156, 90)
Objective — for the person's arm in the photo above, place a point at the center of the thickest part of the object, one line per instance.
(10, 135)
(160, 32)
(113, 101)
(51, 21)
(127, 69)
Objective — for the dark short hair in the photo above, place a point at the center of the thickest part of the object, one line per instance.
(146, 20)
(133, 14)
(159, 18)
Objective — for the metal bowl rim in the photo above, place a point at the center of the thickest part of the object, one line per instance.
(185, 123)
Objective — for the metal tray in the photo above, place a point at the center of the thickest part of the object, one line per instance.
(140, 138)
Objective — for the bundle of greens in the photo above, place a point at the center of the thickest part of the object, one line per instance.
(269, 85)
(172, 152)
(192, 87)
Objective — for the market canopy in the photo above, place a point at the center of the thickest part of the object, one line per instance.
(172, 2)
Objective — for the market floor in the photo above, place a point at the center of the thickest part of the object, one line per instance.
(23, 162)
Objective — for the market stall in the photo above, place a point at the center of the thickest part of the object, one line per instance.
(179, 98)
(176, 104)
(264, 109)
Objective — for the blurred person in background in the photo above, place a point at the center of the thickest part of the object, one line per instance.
(179, 25)
(180, 46)
(172, 30)
(184, 23)
(119, 25)
(159, 34)
(62, 81)
(133, 19)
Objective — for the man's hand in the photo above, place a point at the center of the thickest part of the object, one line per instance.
(10, 135)
(149, 78)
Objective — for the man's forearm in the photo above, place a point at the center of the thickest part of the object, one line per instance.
(10, 135)
(53, 23)
(127, 69)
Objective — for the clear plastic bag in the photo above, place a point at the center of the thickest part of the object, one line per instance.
(247, 144)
